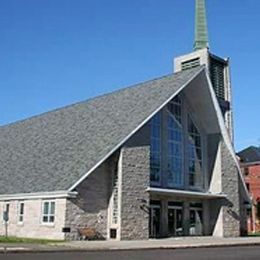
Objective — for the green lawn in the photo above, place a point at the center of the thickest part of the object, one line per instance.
(27, 240)
(257, 234)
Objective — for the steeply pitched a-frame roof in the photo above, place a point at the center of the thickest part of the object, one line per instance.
(250, 154)
(52, 151)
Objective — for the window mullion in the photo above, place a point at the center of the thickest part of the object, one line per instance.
(49, 212)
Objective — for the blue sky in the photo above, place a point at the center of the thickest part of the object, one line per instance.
(57, 52)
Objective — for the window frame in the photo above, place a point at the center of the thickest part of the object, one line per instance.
(159, 153)
(246, 171)
(190, 116)
(6, 205)
(175, 102)
(20, 214)
(168, 179)
(49, 215)
(248, 186)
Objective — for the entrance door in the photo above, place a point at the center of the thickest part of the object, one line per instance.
(155, 216)
(175, 219)
(196, 220)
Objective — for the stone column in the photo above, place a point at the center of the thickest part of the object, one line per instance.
(206, 220)
(230, 187)
(134, 197)
(164, 218)
(186, 218)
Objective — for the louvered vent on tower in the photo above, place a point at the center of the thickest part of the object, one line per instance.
(217, 77)
(190, 64)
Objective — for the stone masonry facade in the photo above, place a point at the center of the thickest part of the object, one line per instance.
(135, 198)
(230, 186)
(89, 209)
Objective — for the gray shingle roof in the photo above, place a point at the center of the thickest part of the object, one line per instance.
(52, 151)
(250, 154)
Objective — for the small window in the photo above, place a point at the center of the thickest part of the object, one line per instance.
(48, 212)
(246, 171)
(248, 186)
(113, 233)
(7, 207)
(6, 212)
(21, 212)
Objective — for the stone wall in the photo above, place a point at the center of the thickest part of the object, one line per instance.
(134, 198)
(230, 186)
(89, 209)
(243, 211)
(32, 226)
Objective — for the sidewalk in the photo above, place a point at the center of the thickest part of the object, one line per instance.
(169, 243)
(21, 247)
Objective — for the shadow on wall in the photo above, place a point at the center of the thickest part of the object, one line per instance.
(215, 208)
(213, 144)
(232, 212)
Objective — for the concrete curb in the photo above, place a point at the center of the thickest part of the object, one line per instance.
(24, 250)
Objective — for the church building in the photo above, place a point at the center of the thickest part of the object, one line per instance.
(148, 161)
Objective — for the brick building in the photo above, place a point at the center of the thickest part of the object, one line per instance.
(151, 160)
(250, 165)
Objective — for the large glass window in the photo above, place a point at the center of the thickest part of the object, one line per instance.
(176, 148)
(175, 144)
(194, 155)
(155, 153)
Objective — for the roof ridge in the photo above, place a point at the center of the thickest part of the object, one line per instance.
(96, 97)
(248, 148)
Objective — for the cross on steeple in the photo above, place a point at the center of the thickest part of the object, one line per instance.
(201, 31)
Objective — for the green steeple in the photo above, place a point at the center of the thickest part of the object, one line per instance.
(201, 31)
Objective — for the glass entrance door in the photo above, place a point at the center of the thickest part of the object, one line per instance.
(196, 220)
(155, 216)
(175, 219)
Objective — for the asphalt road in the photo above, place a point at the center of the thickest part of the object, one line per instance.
(227, 253)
